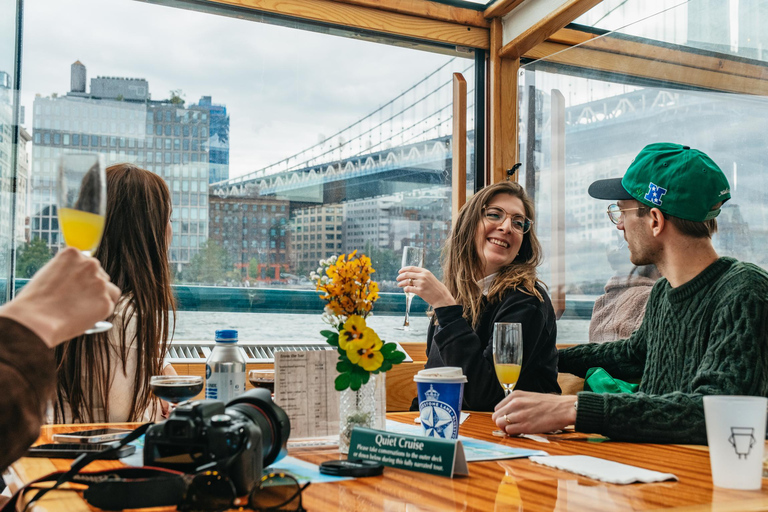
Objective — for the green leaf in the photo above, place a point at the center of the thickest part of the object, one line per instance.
(396, 358)
(333, 339)
(344, 366)
(388, 348)
(327, 334)
(385, 366)
(355, 381)
(366, 377)
(342, 353)
(342, 382)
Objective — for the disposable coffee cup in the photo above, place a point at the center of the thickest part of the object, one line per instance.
(736, 438)
(441, 391)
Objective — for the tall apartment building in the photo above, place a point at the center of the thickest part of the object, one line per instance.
(118, 119)
(316, 233)
(218, 140)
(252, 228)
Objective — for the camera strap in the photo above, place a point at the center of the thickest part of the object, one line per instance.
(82, 461)
(123, 488)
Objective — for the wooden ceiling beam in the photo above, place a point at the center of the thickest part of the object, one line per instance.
(430, 10)
(362, 17)
(533, 22)
(672, 72)
(500, 8)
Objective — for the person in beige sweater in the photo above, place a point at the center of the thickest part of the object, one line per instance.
(619, 312)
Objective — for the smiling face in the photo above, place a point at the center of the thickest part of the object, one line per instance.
(498, 244)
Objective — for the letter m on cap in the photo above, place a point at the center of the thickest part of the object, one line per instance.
(654, 194)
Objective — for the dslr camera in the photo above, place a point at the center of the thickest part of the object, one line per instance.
(241, 438)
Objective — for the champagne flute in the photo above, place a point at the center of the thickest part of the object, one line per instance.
(82, 206)
(507, 353)
(412, 257)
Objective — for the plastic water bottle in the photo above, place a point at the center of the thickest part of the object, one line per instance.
(225, 368)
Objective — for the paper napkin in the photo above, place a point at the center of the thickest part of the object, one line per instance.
(603, 470)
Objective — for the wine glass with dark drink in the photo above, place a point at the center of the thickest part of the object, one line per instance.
(176, 388)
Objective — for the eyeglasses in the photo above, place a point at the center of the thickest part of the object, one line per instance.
(615, 213)
(211, 491)
(497, 215)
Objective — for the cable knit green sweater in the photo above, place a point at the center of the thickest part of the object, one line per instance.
(706, 337)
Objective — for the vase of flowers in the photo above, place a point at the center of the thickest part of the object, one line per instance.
(345, 284)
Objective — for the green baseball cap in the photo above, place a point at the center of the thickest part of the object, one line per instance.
(676, 179)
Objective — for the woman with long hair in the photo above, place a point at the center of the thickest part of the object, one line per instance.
(489, 276)
(105, 376)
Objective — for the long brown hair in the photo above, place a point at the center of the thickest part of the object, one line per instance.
(463, 266)
(134, 252)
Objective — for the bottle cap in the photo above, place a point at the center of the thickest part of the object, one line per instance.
(226, 336)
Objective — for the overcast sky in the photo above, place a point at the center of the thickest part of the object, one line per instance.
(283, 88)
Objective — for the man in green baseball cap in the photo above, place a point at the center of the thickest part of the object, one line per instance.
(704, 331)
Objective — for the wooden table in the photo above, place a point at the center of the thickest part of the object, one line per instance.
(504, 485)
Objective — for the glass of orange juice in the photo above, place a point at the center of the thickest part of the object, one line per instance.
(507, 353)
(82, 205)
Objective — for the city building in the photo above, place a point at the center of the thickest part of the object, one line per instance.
(252, 228)
(119, 119)
(218, 141)
(316, 233)
(420, 217)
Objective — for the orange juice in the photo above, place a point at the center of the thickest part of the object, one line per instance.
(81, 230)
(507, 374)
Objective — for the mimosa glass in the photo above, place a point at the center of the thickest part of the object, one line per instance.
(507, 353)
(412, 257)
(82, 205)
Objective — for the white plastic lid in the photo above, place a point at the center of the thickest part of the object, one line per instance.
(442, 374)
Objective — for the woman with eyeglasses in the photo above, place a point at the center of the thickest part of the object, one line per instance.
(489, 276)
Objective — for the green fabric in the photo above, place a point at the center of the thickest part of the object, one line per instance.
(600, 381)
(678, 180)
(706, 337)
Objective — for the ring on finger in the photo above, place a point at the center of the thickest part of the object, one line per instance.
(411, 281)
(507, 420)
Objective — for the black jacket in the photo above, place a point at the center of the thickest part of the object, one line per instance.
(453, 342)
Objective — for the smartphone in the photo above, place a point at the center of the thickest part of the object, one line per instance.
(99, 435)
(74, 450)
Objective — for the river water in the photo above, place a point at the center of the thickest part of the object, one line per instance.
(201, 326)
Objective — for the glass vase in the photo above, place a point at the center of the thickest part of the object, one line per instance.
(356, 408)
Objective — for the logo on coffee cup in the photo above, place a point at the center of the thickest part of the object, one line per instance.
(742, 439)
(438, 418)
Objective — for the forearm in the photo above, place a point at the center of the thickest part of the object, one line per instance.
(619, 358)
(641, 418)
(27, 377)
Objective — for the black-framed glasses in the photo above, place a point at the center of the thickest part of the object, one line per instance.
(211, 491)
(497, 215)
(615, 212)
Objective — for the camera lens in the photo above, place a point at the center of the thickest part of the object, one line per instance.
(257, 406)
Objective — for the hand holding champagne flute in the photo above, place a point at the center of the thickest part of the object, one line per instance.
(412, 257)
(507, 353)
(82, 205)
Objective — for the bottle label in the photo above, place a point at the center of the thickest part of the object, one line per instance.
(223, 386)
